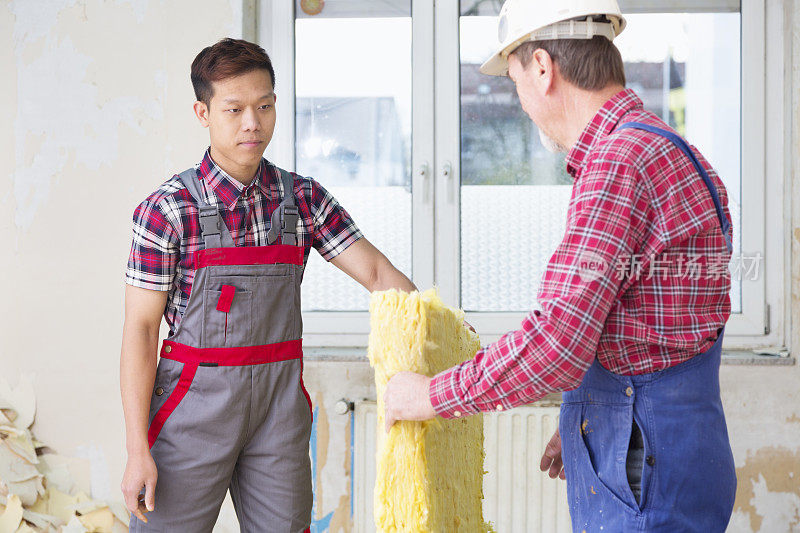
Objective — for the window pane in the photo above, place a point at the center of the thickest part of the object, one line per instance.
(514, 193)
(522, 191)
(686, 67)
(353, 110)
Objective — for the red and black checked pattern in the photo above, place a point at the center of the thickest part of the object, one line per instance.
(635, 196)
(166, 230)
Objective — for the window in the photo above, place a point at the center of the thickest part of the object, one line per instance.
(686, 69)
(353, 131)
(443, 171)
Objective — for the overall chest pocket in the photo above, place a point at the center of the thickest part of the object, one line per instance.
(277, 317)
(227, 317)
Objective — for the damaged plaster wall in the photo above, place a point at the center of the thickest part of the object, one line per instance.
(96, 112)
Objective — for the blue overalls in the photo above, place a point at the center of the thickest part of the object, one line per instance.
(688, 477)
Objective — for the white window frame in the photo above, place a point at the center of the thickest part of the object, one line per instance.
(276, 35)
(766, 99)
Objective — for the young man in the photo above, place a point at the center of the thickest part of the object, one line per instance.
(219, 251)
(643, 440)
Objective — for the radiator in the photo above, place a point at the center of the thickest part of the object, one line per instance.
(518, 497)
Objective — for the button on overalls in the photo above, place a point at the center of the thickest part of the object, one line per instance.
(688, 477)
(229, 409)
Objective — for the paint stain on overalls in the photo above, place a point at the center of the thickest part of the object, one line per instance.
(229, 409)
(688, 477)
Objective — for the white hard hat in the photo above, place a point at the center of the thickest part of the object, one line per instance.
(544, 20)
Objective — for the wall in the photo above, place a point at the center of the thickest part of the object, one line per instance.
(96, 111)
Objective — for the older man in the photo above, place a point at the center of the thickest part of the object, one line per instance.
(642, 439)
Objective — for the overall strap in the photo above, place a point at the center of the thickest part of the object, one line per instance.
(283, 221)
(213, 230)
(684, 147)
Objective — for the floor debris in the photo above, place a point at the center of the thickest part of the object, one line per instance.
(40, 491)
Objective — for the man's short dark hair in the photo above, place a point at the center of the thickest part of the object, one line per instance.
(589, 64)
(226, 59)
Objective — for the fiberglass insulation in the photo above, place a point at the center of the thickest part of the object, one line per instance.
(429, 474)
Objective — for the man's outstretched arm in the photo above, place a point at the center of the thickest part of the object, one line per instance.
(368, 266)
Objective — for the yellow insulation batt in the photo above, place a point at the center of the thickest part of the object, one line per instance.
(430, 474)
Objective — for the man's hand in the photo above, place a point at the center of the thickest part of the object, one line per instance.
(406, 398)
(140, 472)
(551, 459)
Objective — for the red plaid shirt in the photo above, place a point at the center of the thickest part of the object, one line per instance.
(637, 203)
(166, 230)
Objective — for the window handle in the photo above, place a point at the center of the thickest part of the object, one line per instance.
(423, 171)
(447, 175)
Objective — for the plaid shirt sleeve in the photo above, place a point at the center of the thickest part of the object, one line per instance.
(334, 229)
(154, 251)
(555, 346)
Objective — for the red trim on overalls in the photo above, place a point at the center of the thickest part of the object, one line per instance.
(234, 356)
(305, 392)
(187, 375)
(250, 255)
(226, 298)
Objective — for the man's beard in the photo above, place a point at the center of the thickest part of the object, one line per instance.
(551, 144)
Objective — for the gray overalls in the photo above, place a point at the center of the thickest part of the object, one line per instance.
(229, 409)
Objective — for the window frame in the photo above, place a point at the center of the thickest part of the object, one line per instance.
(436, 237)
(276, 34)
